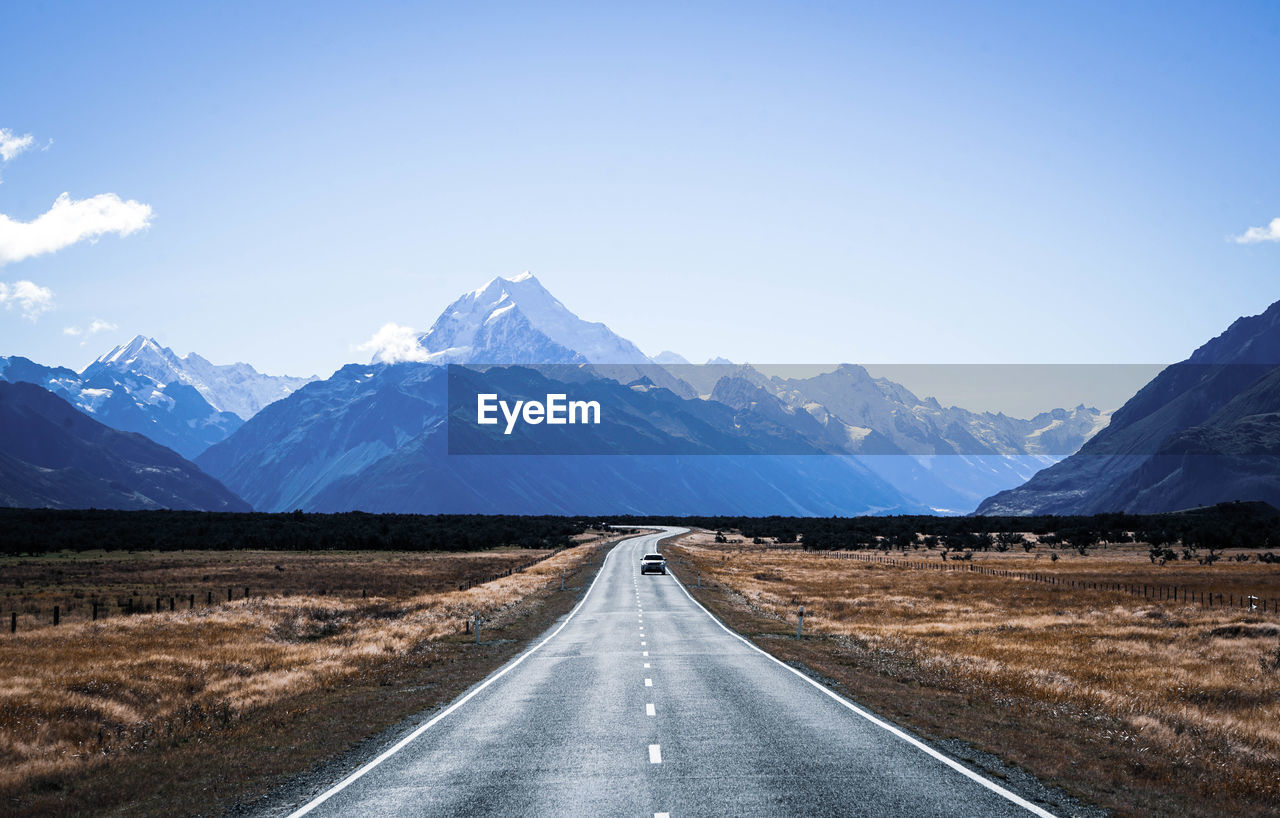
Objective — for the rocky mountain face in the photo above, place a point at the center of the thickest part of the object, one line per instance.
(1201, 432)
(53, 455)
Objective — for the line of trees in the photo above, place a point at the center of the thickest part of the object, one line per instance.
(1227, 525)
(39, 531)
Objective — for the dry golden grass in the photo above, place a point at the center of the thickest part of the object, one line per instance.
(84, 694)
(32, 586)
(1189, 697)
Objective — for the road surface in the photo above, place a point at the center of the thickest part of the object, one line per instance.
(640, 703)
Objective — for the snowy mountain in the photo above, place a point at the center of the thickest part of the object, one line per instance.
(515, 320)
(719, 436)
(668, 357)
(237, 388)
(850, 398)
(172, 414)
(946, 458)
(187, 404)
(374, 437)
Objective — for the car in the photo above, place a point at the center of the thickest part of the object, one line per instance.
(653, 564)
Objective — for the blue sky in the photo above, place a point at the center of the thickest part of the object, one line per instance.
(919, 183)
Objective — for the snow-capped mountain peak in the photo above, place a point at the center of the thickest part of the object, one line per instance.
(236, 388)
(516, 320)
(140, 347)
(668, 358)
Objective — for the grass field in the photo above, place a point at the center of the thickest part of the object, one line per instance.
(32, 586)
(191, 711)
(1139, 705)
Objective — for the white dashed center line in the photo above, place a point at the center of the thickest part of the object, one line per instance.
(645, 652)
(646, 664)
(655, 754)
(649, 711)
(648, 682)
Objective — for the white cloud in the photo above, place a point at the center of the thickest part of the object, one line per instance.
(393, 344)
(69, 221)
(95, 326)
(29, 297)
(11, 144)
(1254, 235)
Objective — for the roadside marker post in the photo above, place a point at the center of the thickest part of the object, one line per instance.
(477, 627)
(800, 624)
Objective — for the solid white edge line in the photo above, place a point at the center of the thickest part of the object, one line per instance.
(402, 743)
(953, 764)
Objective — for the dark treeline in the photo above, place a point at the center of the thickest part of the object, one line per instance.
(37, 531)
(1228, 525)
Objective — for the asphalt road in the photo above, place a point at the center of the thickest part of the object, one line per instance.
(640, 703)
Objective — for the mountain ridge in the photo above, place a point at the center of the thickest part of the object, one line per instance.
(1123, 466)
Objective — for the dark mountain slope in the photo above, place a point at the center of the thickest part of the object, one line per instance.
(53, 455)
(1113, 471)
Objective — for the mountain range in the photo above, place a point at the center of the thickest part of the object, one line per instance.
(184, 403)
(714, 438)
(375, 437)
(732, 438)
